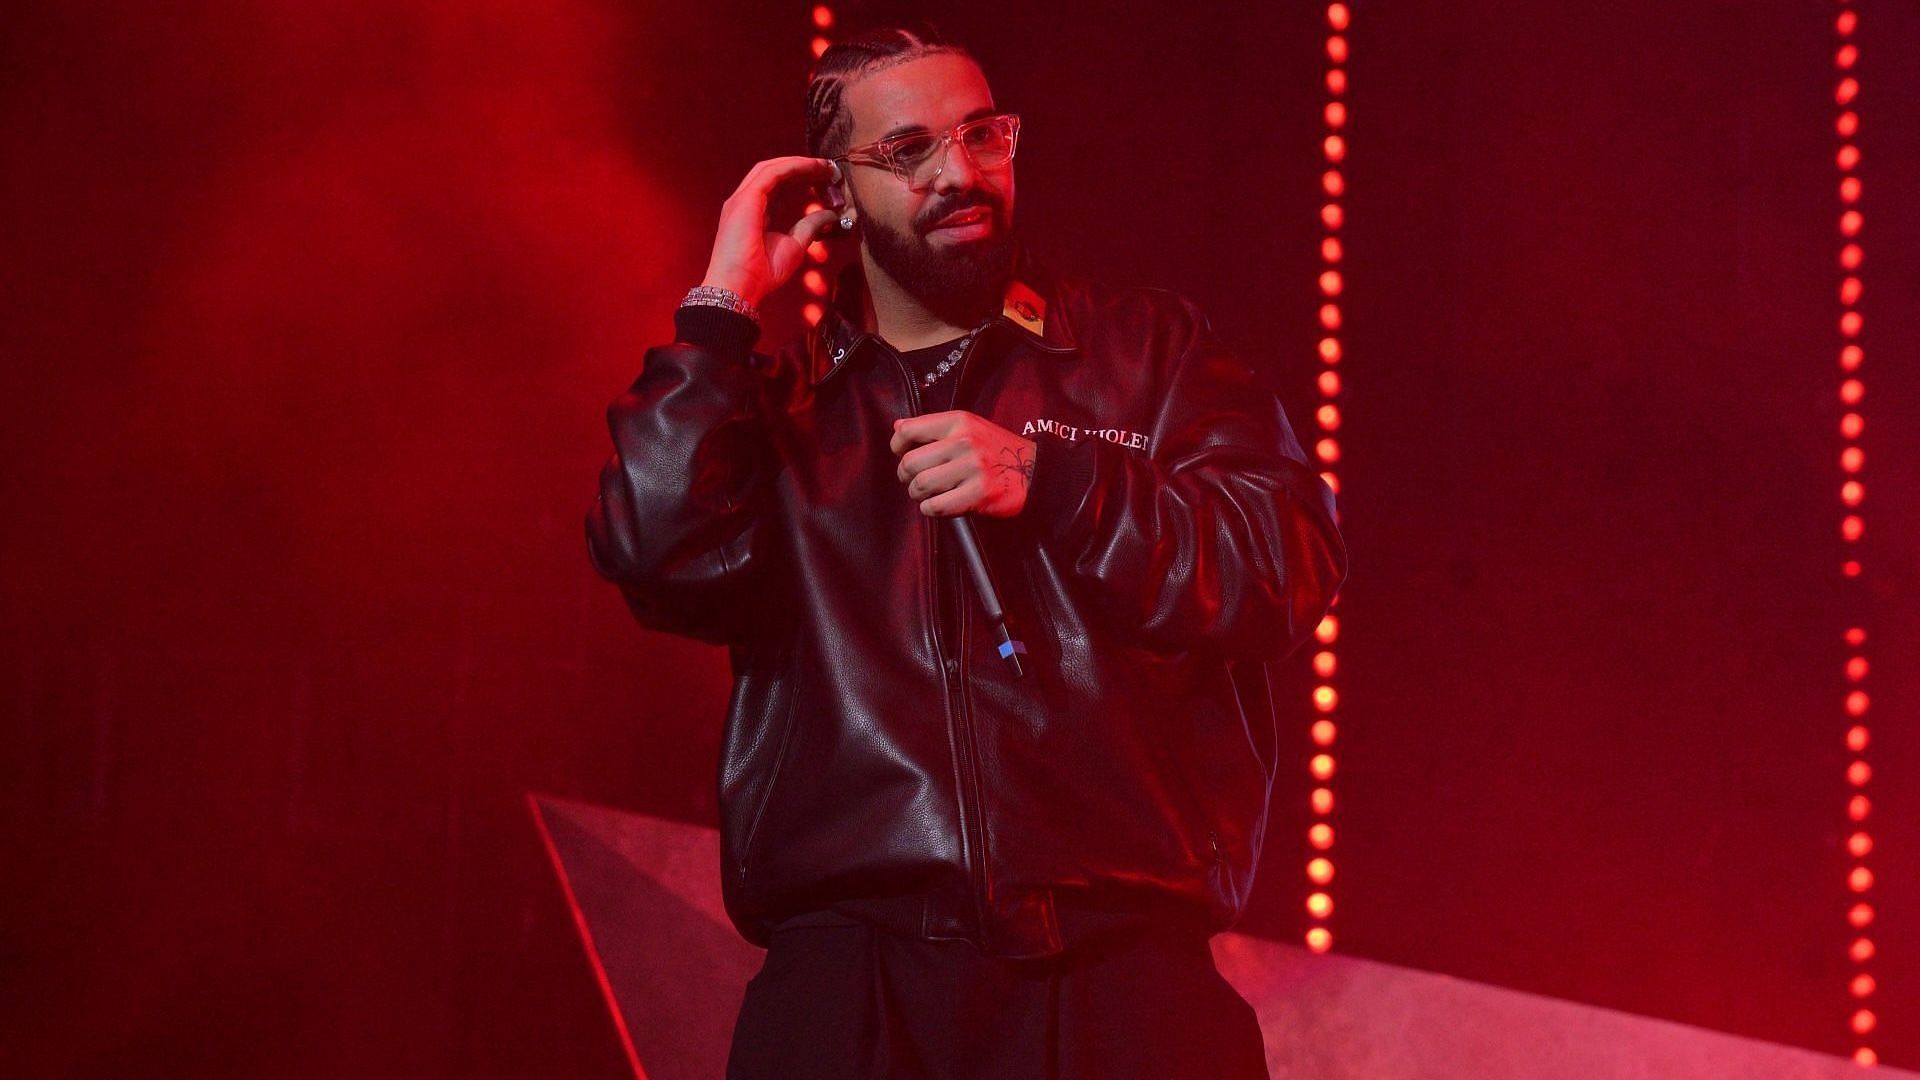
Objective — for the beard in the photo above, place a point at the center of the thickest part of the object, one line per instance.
(960, 284)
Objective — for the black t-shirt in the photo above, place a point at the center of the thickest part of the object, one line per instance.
(922, 362)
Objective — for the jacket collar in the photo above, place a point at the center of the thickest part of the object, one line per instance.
(1030, 311)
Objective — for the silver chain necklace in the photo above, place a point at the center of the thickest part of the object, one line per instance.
(959, 349)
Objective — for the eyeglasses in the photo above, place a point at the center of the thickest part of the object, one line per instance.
(919, 157)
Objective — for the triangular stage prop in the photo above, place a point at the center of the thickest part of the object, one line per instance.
(645, 894)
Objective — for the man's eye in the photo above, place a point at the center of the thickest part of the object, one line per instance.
(909, 151)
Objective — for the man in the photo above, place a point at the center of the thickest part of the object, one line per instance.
(959, 869)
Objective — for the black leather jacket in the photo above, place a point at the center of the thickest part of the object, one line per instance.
(880, 759)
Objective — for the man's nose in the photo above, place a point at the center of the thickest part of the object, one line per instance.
(957, 172)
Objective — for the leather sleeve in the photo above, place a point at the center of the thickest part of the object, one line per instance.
(675, 523)
(1220, 537)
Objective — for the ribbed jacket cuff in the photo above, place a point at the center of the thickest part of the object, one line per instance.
(722, 332)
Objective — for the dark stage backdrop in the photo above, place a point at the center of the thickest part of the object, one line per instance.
(310, 313)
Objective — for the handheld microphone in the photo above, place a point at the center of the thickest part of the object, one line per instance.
(1010, 648)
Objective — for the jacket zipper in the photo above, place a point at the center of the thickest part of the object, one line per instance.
(972, 818)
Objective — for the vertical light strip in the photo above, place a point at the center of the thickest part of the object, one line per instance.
(1860, 986)
(1326, 697)
(814, 277)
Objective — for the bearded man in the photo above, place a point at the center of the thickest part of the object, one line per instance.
(1003, 560)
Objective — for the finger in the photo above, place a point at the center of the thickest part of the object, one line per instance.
(911, 431)
(951, 503)
(807, 228)
(943, 477)
(922, 458)
(760, 180)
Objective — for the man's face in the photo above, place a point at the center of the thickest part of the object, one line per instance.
(955, 273)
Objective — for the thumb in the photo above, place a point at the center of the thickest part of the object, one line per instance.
(810, 227)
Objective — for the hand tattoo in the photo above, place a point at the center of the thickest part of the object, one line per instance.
(1021, 463)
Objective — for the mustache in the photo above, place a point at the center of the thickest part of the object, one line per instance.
(954, 206)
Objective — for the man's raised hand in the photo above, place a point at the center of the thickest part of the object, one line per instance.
(751, 255)
(957, 462)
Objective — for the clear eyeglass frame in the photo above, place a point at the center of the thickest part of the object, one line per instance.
(906, 155)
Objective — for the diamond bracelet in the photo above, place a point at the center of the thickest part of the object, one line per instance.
(715, 296)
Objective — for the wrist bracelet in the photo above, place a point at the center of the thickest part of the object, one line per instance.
(715, 296)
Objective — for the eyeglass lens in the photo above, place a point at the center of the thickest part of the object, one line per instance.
(988, 142)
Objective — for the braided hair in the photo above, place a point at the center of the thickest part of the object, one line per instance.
(829, 123)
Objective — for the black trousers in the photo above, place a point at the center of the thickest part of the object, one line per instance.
(853, 1002)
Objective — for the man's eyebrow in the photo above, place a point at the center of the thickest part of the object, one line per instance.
(908, 129)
